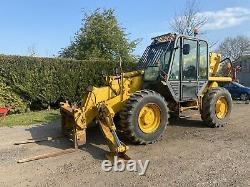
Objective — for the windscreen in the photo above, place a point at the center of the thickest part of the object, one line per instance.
(157, 55)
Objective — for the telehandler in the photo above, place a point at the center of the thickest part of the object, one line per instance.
(176, 73)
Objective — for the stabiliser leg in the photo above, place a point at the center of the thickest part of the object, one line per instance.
(107, 126)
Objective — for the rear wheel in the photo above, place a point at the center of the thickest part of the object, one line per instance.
(216, 107)
(144, 117)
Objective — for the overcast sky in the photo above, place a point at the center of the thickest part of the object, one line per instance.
(49, 25)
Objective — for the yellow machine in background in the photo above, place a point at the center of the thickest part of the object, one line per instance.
(176, 73)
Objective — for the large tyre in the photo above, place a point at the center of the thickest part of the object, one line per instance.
(216, 107)
(144, 117)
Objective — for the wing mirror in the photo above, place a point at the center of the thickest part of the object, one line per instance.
(186, 49)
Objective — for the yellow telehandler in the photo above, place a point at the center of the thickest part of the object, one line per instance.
(176, 73)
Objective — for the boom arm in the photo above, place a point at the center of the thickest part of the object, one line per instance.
(215, 69)
(101, 104)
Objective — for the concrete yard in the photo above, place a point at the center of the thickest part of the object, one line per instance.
(188, 154)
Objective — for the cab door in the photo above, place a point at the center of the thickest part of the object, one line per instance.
(189, 69)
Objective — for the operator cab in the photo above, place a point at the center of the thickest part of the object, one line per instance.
(179, 62)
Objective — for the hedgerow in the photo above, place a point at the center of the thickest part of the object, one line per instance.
(42, 82)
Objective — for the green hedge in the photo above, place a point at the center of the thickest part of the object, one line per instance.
(41, 82)
(8, 97)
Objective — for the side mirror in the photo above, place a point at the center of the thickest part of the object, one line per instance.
(186, 49)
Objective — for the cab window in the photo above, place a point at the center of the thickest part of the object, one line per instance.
(175, 71)
(203, 64)
(189, 71)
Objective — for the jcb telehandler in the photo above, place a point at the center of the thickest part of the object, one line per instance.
(176, 73)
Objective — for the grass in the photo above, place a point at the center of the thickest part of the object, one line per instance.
(30, 118)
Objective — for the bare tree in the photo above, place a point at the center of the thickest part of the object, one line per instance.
(189, 20)
(32, 50)
(234, 47)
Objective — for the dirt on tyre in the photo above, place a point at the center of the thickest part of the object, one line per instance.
(216, 107)
(144, 117)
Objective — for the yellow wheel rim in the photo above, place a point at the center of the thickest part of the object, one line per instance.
(221, 108)
(149, 118)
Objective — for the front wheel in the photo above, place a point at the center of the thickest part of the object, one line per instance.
(144, 117)
(216, 107)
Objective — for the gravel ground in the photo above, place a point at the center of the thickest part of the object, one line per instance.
(188, 154)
